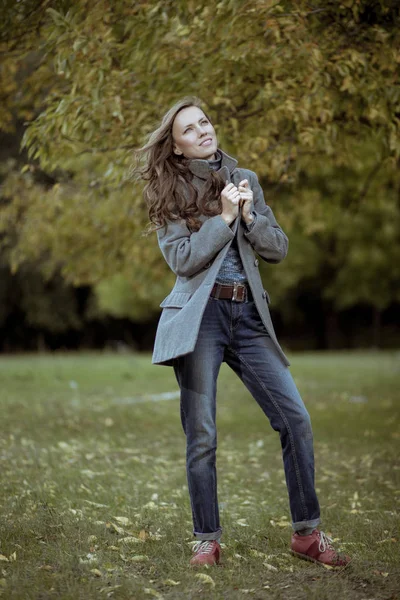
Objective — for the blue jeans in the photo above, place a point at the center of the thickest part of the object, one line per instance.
(233, 332)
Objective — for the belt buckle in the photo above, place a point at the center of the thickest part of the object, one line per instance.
(235, 292)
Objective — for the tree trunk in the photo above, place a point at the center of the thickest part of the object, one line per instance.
(376, 328)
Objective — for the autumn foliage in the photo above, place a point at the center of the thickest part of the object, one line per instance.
(306, 94)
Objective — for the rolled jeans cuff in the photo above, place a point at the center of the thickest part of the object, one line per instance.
(305, 524)
(206, 537)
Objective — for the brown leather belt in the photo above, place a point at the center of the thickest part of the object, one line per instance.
(238, 292)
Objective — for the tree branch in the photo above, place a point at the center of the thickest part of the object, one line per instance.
(369, 180)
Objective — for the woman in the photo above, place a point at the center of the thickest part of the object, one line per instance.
(211, 218)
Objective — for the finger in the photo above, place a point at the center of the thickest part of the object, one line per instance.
(244, 183)
(235, 196)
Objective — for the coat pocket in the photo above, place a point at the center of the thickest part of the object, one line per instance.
(175, 300)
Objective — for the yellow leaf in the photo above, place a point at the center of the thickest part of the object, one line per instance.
(123, 520)
(205, 579)
(257, 554)
(96, 572)
(242, 522)
(109, 589)
(116, 528)
(130, 539)
(283, 523)
(2, 557)
(152, 592)
(171, 582)
(269, 567)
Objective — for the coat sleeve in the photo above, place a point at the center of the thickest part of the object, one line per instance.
(266, 237)
(185, 252)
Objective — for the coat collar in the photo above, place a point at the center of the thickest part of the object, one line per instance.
(201, 168)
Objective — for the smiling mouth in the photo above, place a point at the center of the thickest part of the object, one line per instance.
(206, 142)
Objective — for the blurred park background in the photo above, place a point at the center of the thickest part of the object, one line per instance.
(306, 94)
(93, 495)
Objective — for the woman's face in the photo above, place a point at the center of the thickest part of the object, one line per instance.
(193, 134)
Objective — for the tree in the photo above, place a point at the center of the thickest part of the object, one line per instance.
(306, 94)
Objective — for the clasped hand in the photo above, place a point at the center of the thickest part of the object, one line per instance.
(237, 199)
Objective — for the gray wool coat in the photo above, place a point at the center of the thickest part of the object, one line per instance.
(196, 258)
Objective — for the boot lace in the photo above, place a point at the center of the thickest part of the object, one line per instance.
(203, 547)
(325, 542)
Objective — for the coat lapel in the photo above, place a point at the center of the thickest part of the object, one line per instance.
(201, 168)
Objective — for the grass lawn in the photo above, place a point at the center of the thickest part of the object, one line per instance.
(93, 496)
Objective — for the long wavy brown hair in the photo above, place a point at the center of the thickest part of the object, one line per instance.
(169, 192)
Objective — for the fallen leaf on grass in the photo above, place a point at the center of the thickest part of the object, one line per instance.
(242, 522)
(109, 589)
(90, 558)
(205, 579)
(130, 539)
(143, 534)
(4, 558)
(123, 520)
(257, 554)
(46, 567)
(115, 527)
(139, 558)
(13, 556)
(96, 504)
(239, 556)
(92, 474)
(171, 582)
(269, 567)
(381, 573)
(96, 572)
(283, 523)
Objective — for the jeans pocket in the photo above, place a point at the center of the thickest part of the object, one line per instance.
(255, 321)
